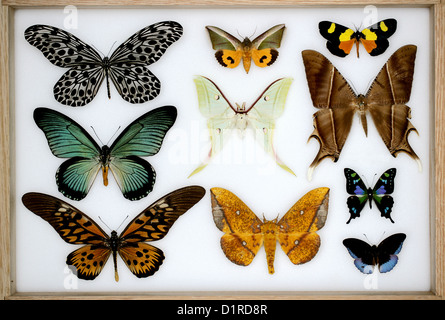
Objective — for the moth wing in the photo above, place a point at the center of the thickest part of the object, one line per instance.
(375, 38)
(297, 236)
(222, 40)
(242, 228)
(271, 38)
(263, 113)
(386, 101)
(340, 39)
(219, 113)
(331, 93)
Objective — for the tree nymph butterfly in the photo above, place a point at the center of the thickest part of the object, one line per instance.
(126, 67)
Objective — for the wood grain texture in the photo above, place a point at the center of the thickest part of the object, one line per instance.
(5, 245)
(439, 221)
(437, 147)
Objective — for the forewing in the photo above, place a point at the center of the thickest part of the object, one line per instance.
(61, 47)
(242, 228)
(358, 191)
(363, 254)
(142, 259)
(270, 38)
(147, 45)
(144, 136)
(375, 37)
(66, 138)
(71, 224)
(156, 220)
(222, 40)
(388, 250)
(297, 227)
(385, 184)
(340, 39)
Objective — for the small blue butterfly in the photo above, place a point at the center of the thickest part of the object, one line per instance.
(384, 255)
(360, 193)
(135, 176)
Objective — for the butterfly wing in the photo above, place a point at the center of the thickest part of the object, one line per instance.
(331, 93)
(297, 236)
(375, 37)
(242, 228)
(264, 46)
(74, 227)
(134, 82)
(142, 138)
(358, 191)
(153, 224)
(388, 250)
(220, 115)
(79, 85)
(363, 254)
(67, 139)
(381, 191)
(263, 113)
(229, 48)
(386, 100)
(340, 38)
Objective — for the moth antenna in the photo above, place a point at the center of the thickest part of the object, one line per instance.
(96, 135)
(254, 31)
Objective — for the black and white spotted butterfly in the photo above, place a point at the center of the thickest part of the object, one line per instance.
(127, 65)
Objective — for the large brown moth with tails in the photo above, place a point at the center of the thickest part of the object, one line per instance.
(385, 100)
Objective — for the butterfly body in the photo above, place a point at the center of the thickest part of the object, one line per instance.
(126, 67)
(223, 117)
(385, 101)
(152, 224)
(380, 194)
(367, 257)
(135, 176)
(230, 50)
(245, 233)
(342, 39)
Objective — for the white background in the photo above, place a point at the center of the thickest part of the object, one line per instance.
(194, 259)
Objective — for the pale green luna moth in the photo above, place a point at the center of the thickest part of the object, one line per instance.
(222, 117)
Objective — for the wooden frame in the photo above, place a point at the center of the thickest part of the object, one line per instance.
(7, 291)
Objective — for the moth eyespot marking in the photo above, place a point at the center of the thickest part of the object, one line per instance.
(216, 96)
(301, 212)
(244, 243)
(266, 98)
(237, 212)
(218, 130)
(296, 242)
(265, 130)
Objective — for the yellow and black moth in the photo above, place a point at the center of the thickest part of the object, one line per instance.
(262, 50)
(341, 39)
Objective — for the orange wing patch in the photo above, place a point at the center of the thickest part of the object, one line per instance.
(229, 58)
(265, 57)
(245, 232)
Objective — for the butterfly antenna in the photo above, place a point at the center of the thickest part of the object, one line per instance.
(123, 221)
(111, 48)
(97, 135)
(98, 50)
(113, 135)
(105, 223)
